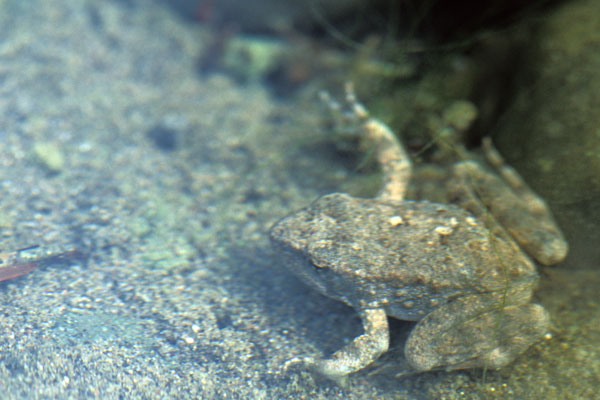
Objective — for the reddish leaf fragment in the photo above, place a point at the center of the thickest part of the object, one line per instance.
(15, 270)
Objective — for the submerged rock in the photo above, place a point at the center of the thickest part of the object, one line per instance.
(550, 133)
(50, 156)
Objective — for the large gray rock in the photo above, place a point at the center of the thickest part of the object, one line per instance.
(551, 134)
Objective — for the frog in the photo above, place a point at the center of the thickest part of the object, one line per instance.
(459, 275)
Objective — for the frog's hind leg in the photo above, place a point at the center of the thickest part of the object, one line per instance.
(469, 333)
(395, 163)
(507, 198)
(532, 202)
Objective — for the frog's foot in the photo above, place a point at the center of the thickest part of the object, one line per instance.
(462, 334)
(395, 163)
(359, 353)
(511, 203)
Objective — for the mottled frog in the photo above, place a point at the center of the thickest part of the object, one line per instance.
(458, 273)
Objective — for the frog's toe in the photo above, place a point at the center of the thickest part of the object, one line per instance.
(329, 368)
(553, 250)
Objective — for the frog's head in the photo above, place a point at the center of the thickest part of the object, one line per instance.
(315, 244)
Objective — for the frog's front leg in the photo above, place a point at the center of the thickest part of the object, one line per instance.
(475, 331)
(359, 353)
(516, 207)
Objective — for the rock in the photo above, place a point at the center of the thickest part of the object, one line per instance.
(551, 132)
(50, 156)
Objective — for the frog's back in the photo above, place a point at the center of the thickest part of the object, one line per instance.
(411, 256)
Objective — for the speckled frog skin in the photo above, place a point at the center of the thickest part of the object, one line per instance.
(468, 286)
